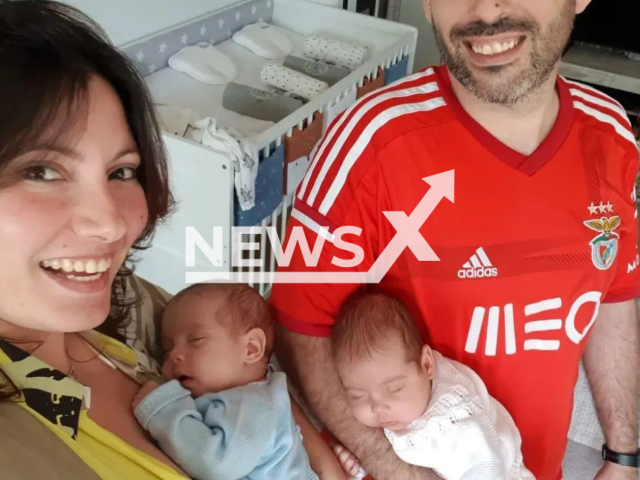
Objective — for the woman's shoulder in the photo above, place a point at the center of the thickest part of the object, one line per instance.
(24, 438)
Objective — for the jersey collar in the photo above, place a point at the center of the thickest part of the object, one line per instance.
(528, 165)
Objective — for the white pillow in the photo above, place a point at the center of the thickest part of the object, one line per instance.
(205, 63)
(264, 40)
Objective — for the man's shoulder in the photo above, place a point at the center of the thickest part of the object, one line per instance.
(390, 112)
(595, 110)
(352, 143)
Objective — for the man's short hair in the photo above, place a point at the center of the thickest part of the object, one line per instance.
(244, 308)
(365, 323)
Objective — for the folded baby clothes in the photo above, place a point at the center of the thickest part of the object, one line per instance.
(244, 154)
(291, 81)
(205, 63)
(264, 40)
(334, 51)
(322, 71)
(257, 103)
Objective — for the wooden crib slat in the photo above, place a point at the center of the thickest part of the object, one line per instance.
(372, 85)
(274, 224)
(284, 212)
(263, 248)
(252, 256)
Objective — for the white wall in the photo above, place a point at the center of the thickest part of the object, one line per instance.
(412, 13)
(127, 20)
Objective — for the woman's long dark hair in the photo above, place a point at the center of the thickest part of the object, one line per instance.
(48, 54)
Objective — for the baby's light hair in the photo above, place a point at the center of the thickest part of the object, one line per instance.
(366, 322)
(244, 309)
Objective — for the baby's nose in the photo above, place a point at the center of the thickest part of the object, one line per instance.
(379, 407)
(176, 356)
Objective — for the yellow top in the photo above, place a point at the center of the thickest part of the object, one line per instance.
(61, 403)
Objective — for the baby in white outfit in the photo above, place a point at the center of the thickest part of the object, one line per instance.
(435, 412)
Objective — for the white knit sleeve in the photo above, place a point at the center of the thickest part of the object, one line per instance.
(422, 446)
(479, 452)
(456, 448)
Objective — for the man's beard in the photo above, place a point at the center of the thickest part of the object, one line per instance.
(546, 52)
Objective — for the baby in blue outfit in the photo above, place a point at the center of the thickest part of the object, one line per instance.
(223, 415)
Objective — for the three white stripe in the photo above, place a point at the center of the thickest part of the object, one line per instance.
(336, 128)
(596, 99)
(593, 90)
(603, 117)
(312, 224)
(365, 139)
(347, 132)
(600, 102)
(478, 260)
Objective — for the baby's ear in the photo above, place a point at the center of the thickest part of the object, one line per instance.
(426, 361)
(255, 343)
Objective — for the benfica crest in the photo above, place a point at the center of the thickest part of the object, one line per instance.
(604, 247)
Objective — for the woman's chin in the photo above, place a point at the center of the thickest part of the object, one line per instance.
(79, 303)
(79, 316)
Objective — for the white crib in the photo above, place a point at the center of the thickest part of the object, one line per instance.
(202, 178)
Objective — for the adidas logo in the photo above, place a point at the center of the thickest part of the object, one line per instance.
(478, 266)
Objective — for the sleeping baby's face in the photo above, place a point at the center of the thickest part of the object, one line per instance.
(200, 352)
(386, 389)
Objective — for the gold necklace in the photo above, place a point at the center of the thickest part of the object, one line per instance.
(72, 370)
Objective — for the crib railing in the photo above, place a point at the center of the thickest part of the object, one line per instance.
(259, 277)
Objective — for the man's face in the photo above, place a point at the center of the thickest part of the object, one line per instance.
(502, 50)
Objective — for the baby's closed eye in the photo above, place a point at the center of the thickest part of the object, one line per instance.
(356, 396)
(395, 388)
(197, 340)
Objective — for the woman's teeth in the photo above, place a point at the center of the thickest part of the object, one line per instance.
(494, 48)
(86, 278)
(66, 265)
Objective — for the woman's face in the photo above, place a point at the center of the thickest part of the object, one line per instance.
(70, 210)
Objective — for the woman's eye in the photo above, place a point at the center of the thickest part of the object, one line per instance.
(41, 173)
(124, 174)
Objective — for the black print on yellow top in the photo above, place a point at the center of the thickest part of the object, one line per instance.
(59, 409)
(14, 353)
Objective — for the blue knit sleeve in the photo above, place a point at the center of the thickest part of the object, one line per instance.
(229, 435)
(215, 438)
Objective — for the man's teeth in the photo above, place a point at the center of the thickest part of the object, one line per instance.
(494, 48)
(80, 266)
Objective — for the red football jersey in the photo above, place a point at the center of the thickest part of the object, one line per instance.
(528, 249)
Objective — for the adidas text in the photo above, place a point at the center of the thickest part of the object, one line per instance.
(477, 272)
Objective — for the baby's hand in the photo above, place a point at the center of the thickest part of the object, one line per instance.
(145, 390)
(350, 464)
